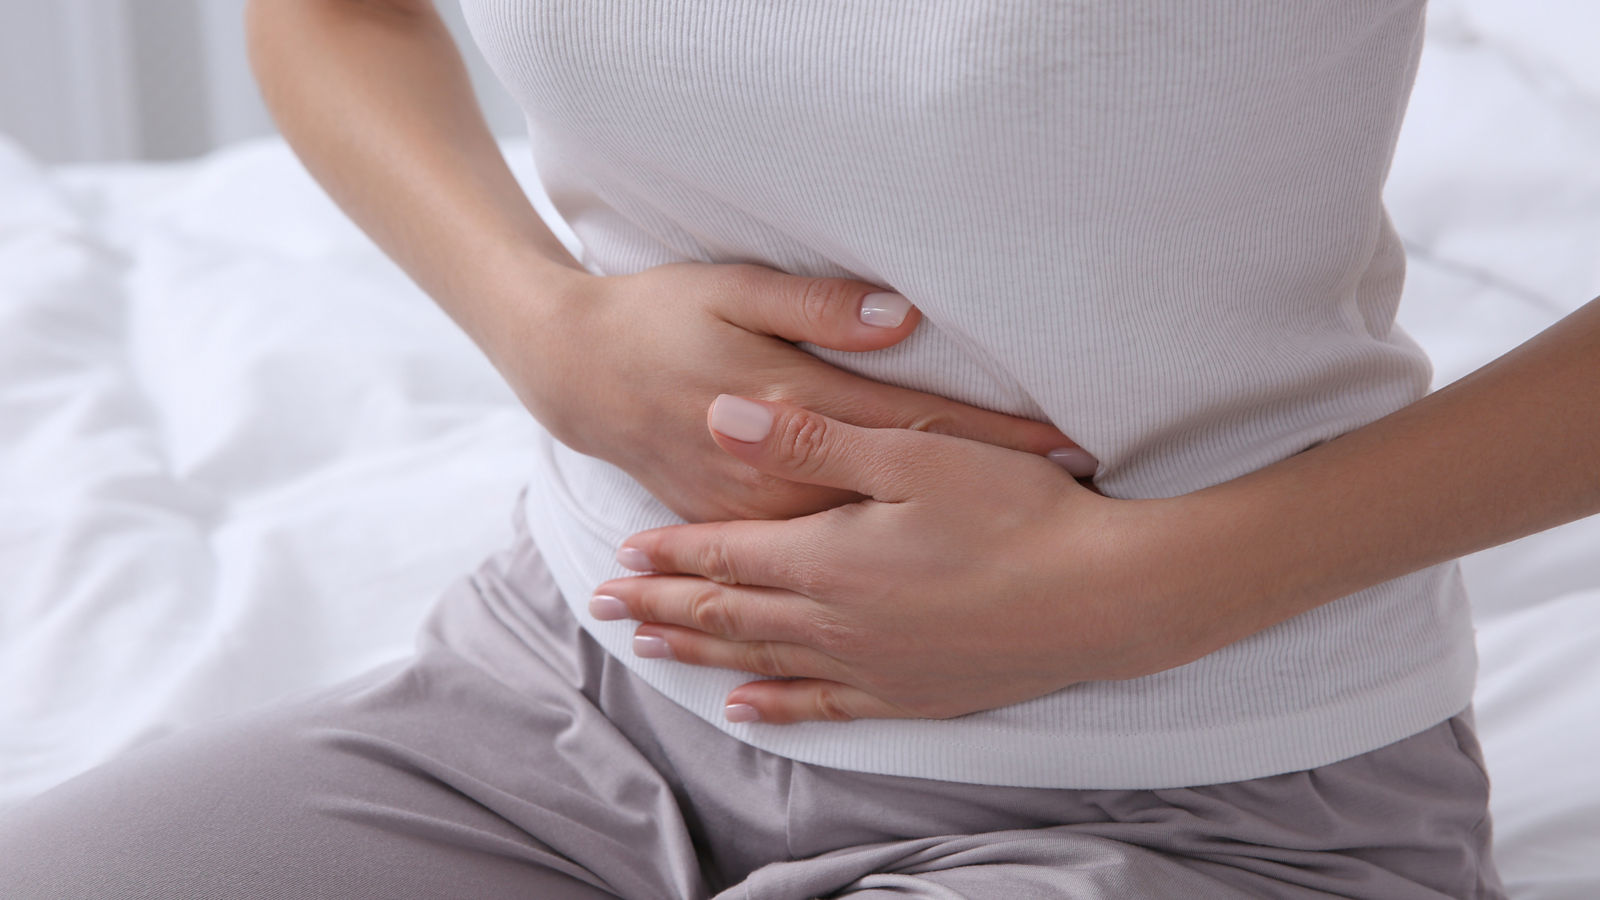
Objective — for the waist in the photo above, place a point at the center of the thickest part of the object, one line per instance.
(1348, 677)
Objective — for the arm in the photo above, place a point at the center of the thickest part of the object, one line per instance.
(1080, 587)
(377, 104)
(1510, 450)
(374, 98)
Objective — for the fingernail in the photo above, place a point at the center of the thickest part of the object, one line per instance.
(1076, 460)
(739, 418)
(648, 646)
(607, 608)
(884, 309)
(635, 559)
(741, 712)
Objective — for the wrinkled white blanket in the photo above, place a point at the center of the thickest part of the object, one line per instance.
(240, 453)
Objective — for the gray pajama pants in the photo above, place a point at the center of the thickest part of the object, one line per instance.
(514, 758)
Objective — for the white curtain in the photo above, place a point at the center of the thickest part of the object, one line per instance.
(88, 80)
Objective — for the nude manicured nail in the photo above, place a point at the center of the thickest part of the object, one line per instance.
(635, 559)
(1077, 461)
(739, 419)
(884, 309)
(607, 608)
(741, 712)
(648, 646)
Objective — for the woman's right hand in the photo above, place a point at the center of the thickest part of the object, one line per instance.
(375, 100)
(624, 368)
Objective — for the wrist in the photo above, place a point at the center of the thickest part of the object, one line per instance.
(1200, 571)
(526, 314)
(1199, 592)
(513, 303)
(1271, 545)
(1146, 581)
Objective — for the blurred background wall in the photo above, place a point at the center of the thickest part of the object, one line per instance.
(93, 80)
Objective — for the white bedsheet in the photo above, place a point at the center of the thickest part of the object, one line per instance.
(240, 454)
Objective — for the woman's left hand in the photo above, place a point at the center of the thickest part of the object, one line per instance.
(973, 577)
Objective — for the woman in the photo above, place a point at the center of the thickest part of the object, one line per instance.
(1242, 667)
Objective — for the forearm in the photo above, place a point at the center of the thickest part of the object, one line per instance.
(1510, 450)
(375, 100)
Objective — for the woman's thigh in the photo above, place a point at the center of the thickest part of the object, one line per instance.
(284, 805)
(432, 778)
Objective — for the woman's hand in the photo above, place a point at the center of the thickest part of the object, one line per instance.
(623, 367)
(377, 103)
(974, 577)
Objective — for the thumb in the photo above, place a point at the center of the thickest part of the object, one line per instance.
(830, 312)
(797, 444)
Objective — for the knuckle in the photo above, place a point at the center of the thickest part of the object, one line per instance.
(645, 606)
(810, 570)
(832, 637)
(831, 705)
(709, 611)
(801, 439)
(820, 302)
(763, 658)
(804, 579)
(714, 561)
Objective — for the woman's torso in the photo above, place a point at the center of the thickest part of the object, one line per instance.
(1157, 225)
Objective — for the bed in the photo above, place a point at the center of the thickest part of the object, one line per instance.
(211, 386)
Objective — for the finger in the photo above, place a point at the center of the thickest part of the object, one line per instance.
(774, 659)
(848, 397)
(720, 610)
(800, 445)
(755, 552)
(807, 700)
(837, 313)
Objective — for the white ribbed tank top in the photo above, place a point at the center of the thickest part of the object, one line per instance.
(1158, 225)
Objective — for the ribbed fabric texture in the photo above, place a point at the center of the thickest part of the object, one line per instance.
(1158, 225)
